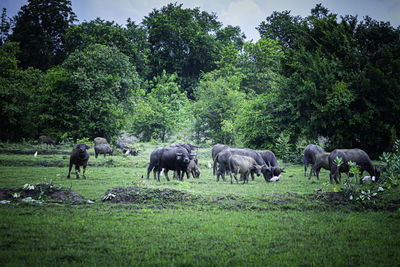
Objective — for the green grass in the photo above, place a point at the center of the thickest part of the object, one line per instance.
(257, 224)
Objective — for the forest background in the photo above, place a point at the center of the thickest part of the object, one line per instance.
(179, 75)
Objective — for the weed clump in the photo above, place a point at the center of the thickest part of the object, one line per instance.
(40, 193)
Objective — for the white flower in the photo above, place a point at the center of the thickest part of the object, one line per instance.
(351, 197)
(380, 189)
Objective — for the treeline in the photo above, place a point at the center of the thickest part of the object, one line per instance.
(179, 73)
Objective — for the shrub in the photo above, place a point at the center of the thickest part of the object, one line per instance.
(390, 162)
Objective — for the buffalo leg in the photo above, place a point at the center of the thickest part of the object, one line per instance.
(166, 174)
(77, 170)
(84, 170)
(69, 171)
(149, 169)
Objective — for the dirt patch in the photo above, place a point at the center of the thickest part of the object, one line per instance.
(141, 195)
(42, 193)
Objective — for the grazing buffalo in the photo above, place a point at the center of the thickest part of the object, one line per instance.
(309, 156)
(79, 157)
(46, 140)
(153, 165)
(103, 149)
(243, 165)
(270, 159)
(217, 148)
(354, 155)
(321, 161)
(192, 169)
(223, 160)
(175, 158)
(126, 147)
(100, 140)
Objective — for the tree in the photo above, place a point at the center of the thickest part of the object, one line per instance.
(130, 40)
(159, 113)
(17, 91)
(99, 85)
(5, 26)
(282, 27)
(40, 29)
(182, 41)
(218, 100)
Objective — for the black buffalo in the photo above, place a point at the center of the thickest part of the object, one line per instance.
(217, 148)
(79, 157)
(175, 158)
(354, 155)
(223, 160)
(153, 165)
(309, 156)
(270, 159)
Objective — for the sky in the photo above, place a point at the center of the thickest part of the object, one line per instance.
(247, 14)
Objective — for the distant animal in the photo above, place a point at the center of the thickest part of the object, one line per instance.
(321, 161)
(46, 140)
(153, 165)
(103, 149)
(188, 147)
(309, 156)
(223, 160)
(270, 159)
(243, 165)
(355, 155)
(217, 148)
(126, 147)
(175, 158)
(79, 157)
(100, 140)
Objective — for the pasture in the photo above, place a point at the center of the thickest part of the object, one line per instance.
(292, 222)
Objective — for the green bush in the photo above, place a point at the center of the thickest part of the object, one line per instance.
(390, 162)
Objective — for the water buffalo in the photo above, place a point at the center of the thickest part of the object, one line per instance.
(126, 147)
(321, 161)
(243, 165)
(79, 157)
(46, 140)
(192, 169)
(355, 155)
(217, 148)
(175, 158)
(153, 165)
(309, 156)
(223, 160)
(270, 159)
(100, 140)
(103, 149)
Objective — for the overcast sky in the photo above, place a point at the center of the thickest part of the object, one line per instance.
(247, 14)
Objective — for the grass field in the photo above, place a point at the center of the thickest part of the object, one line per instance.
(196, 222)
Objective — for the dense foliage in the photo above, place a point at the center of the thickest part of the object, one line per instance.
(179, 71)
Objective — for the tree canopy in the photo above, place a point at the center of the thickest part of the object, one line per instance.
(180, 74)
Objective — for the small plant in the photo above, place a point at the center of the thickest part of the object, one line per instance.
(390, 177)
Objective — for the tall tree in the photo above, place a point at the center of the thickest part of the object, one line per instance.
(17, 96)
(98, 84)
(159, 113)
(130, 40)
(40, 29)
(182, 41)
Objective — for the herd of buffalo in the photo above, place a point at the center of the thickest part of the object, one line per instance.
(182, 159)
